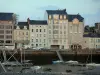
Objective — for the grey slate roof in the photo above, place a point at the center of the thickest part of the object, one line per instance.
(38, 22)
(62, 12)
(21, 25)
(95, 35)
(6, 16)
(71, 17)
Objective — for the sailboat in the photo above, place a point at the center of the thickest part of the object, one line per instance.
(92, 65)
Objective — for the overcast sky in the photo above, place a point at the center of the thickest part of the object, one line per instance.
(35, 9)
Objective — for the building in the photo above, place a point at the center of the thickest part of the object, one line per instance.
(92, 41)
(57, 29)
(75, 30)
(38, 33)
(21, 35)
(6, 30)
(64, 30)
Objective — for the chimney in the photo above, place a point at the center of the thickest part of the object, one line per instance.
(65, 10)
(28, 20)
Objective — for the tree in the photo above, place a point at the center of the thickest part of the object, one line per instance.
(87, 28)
(15, 18)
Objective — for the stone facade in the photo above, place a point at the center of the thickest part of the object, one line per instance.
(21, 35)
(6, 30)
(38, 34)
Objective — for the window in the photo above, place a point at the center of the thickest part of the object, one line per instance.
(49, 16)
(60, 16)
(26, 33)
(60, 41)
(32, 30)
(8, 31)
(32, 45)
(49, 21)
(55, 27)
(56, 16)
(60, 21)
(8, 27)
(8, 41)
(60, 32)
(64, 32)
(55, 31)
(40, 35)
(44, 40)
(8, 37)
(44, 44)
(23, 33)
(32, 40)
(44, 35)
(49, 40)
(40, 44)
(1, 41)
(36, 30)
(44, 30)
(55, 41)
(64, 16)
(36, 45)
(91, 40)
(1, 36)
(98, 40)
(1, 26)
(49, 31)
(40, 30)
(64, 27)
(37, 35)
(1, 31)
(56, 21)
(36, 40)
(77, 28)
(70, 28)
(40, 40)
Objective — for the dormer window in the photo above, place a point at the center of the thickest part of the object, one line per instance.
(64, 16)
(17, 27)
(10, 22)
(49, 16)
(25, 27)
(56, 16)
(60, 16)
(75, 21)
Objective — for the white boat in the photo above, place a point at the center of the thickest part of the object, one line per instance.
(72, 62)
(58, 61)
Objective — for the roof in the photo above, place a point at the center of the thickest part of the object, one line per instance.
(71, 17)
(6, 16)
(21, 25)
(38, 22)
(92, 35)
(62, 12)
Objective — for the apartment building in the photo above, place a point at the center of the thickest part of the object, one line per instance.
(6, 30)
(21, 35)
(92, 41)
(75, 30)
(57, 29)
(38, 33)
(64, 30)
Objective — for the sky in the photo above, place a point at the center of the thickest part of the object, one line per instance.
(35, 9)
